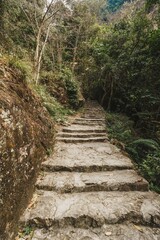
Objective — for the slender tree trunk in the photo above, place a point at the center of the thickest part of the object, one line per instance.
(104, 87)
(111, 94)
(103, 97)
(39, 54)
(59, 53)
(75, 47)
(53, 58)
(2, 11)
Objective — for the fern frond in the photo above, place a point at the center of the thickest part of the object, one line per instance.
(148, 143)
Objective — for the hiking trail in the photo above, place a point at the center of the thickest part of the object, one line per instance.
(89, 190)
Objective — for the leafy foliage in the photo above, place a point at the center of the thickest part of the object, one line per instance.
(71, 86)
(120, 127)
(145, 152)
(146, 143)
(123, 71)
(151, 3)
(151, 170)
(56, 110)
(23, 67)
(63, 86)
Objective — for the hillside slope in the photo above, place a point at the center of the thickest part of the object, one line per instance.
(26, 131)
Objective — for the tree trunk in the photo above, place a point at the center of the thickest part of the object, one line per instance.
(75, 47)
(111, 94)
(39, 54)
(103, 97)
(36, 55)
(59, 53)
(2, 10)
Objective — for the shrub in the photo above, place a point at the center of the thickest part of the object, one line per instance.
(22, 67)
(144, 146)
(145, 152)
(56, 81)
(120, 127)
(71, 87)
(56, 110)
(150, 168)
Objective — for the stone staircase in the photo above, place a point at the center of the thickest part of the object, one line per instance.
(89, 190)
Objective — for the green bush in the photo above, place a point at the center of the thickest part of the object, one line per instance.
(64, 79)
(56, 110)
(22, 67)
(71, 87)
(141, 147)
(47, 78)
(120, 127)
(72, 92)
(145, 152)
(150, 168)
(150, 4)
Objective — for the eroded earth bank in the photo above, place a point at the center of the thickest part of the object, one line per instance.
(26, 132)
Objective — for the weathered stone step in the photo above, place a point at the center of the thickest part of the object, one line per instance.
(93, 116)
(93, 109)
(86, 157)
(89, 123)
(91, 119)
(80, 135)
(93, 209)
(106, 232)
(81, 167)
(64, 182)
(81, 140)
(84, 129)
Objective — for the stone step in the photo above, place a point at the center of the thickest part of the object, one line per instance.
(91, 119)
(86, 157)
(89, 123)
(93, 209)
(93, 116)
(80, 135)
(95, 113)
(81, 140)
(84, 129)
(106, 232)
(66, 182)
(93, 110)
(77, 166)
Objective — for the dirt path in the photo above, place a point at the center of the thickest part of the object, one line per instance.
(90, 191)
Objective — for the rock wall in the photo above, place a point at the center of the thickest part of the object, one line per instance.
(26, 133)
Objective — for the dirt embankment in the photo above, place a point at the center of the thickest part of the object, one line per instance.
(26, 133)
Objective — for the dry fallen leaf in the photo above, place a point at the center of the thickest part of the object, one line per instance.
(138, 228)
(33, 201)
(108, 233)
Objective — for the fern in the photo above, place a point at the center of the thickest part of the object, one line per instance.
(146, 143)
(133, 152)
(150, 168)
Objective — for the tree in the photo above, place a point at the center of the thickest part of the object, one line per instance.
(42, 19)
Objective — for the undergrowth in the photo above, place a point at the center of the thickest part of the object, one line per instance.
(22, 69)
(63, 86)
(145, 152)
(57, 111)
